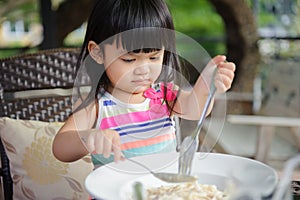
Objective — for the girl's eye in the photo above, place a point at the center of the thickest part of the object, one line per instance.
(127, 60)
(155, 58)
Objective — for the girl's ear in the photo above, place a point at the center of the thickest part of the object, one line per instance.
(95, 52)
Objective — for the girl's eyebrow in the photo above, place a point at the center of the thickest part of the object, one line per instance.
(156, 52)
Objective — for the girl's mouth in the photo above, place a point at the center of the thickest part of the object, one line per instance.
(142, 82)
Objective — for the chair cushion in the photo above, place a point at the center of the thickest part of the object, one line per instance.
(36, 173)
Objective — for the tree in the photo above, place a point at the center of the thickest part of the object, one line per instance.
(242, 47)
(66, 18)
(74, 13)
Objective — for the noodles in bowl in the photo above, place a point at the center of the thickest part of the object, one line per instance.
(186, 191)
(150, 188)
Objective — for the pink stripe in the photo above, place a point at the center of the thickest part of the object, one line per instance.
(133, 117)
(148, 142)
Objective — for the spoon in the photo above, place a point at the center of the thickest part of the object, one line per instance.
(167, 177)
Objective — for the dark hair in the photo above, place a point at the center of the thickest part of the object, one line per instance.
(111, 18)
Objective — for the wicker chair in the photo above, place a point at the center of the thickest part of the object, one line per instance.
(46, 69)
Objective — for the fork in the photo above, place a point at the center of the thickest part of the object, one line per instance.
(190, 143)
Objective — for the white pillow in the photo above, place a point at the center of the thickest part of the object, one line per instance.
(36, 173)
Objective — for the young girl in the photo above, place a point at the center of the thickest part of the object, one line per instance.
(128, 51)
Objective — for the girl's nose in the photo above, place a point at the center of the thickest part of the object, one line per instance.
(142, 69)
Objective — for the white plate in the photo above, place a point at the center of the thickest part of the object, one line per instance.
(115, 180)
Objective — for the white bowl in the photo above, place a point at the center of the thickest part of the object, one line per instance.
(115, 180)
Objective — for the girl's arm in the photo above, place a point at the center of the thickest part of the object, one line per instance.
(77, 137)
(67, 145)
(191, 103)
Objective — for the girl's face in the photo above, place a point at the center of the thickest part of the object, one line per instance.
(131, 72)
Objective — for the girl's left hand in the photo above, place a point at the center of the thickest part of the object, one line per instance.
(224, 75)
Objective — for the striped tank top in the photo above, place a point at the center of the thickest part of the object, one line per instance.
(144, 128)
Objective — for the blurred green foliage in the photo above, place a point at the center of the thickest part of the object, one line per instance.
(199, 20)
(196, 18)
(28, 11)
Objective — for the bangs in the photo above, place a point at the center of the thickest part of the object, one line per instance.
(144, 39)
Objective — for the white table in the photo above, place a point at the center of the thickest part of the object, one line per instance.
(266, 125)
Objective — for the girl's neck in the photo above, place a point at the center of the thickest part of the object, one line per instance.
(126, 97)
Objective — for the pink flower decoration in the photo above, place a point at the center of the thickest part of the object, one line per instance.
(157, 96)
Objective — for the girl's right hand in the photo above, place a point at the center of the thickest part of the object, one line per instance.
(103, 142)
